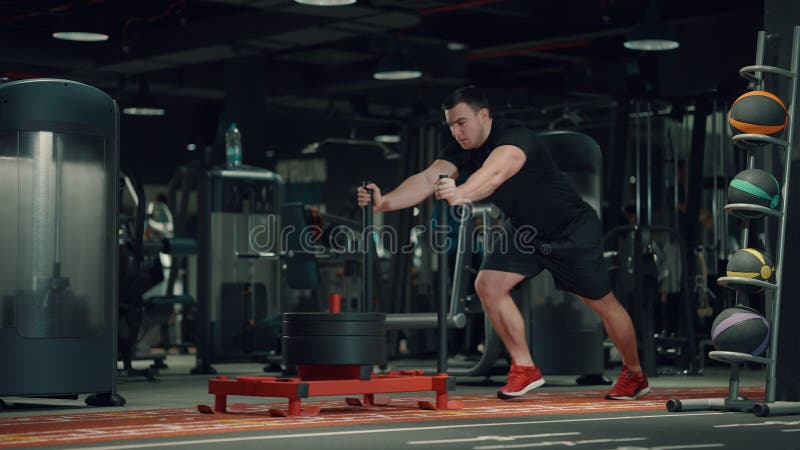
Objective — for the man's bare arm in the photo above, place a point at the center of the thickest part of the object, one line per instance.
(416, 188)
(503, 163)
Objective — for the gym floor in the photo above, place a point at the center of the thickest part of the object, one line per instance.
(560, 414)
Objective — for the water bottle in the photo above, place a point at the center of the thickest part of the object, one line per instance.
(233, 146)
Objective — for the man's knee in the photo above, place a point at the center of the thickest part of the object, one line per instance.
(602, 305)
(488, 289)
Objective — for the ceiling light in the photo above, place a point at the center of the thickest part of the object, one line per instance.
(80, 26)
(388, 134)
(143, 103)
(652, 33)
(326, 2)
(387, 138)
(80, 36)
(396, 75)
(396, 65)
(143, 111)
(456, 46)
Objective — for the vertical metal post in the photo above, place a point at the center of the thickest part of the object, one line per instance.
(716, 129)
(725, 147)
(733, 383)
(761, 43)
(741, 297)
(638, 169)
(366, 221)
(463, 247)
(649, 171)
(676, 180)
(441, 366)
(773, 344)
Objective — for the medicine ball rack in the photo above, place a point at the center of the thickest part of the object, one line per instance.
(734, 402)
(325, 378)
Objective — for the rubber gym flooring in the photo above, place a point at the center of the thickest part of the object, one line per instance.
(164, 414)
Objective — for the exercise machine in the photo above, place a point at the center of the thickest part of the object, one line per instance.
(239, 282)
(58, 284)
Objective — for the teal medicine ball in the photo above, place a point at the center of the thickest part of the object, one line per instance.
(754, 187)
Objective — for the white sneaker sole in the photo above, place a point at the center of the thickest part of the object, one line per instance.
(639, 394)
(507, 395)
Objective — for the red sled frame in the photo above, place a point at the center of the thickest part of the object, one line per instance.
(318, 380)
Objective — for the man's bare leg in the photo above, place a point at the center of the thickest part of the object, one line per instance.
(619, 327)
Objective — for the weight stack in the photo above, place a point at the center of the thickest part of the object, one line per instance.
(334, 339)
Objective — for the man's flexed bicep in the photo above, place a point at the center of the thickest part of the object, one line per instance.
(503, 163)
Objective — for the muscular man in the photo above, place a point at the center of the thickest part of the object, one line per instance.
(507, 165)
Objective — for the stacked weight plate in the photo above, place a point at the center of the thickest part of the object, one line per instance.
(334, 338)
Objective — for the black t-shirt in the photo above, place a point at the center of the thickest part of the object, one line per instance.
(539, 194)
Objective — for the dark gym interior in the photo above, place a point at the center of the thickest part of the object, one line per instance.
(184, 261)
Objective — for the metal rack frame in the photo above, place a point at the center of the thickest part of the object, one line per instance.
(734, 402)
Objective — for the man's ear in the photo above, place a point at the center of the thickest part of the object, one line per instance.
(484, 113)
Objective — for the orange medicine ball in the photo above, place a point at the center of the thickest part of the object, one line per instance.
(758, 112)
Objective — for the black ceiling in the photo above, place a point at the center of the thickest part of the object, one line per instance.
(532, 52)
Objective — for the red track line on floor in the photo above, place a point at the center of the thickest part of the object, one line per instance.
(66, 429)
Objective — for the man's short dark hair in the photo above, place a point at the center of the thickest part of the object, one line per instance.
(472, 95)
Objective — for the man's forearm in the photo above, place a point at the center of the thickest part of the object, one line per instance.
(480, 185)
(411, 192)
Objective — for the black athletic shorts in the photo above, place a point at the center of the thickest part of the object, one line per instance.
(574, 257)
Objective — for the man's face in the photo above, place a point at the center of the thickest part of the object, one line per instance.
(466, 125)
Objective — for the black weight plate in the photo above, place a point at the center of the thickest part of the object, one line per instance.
(334, 350)
(334, 328)
(316, 317)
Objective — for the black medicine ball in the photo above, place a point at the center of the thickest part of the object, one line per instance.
(754, 187)
(752, 264)
(758, 112)
(741, 330)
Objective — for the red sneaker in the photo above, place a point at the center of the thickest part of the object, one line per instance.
(521, 380)
(629, 386)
